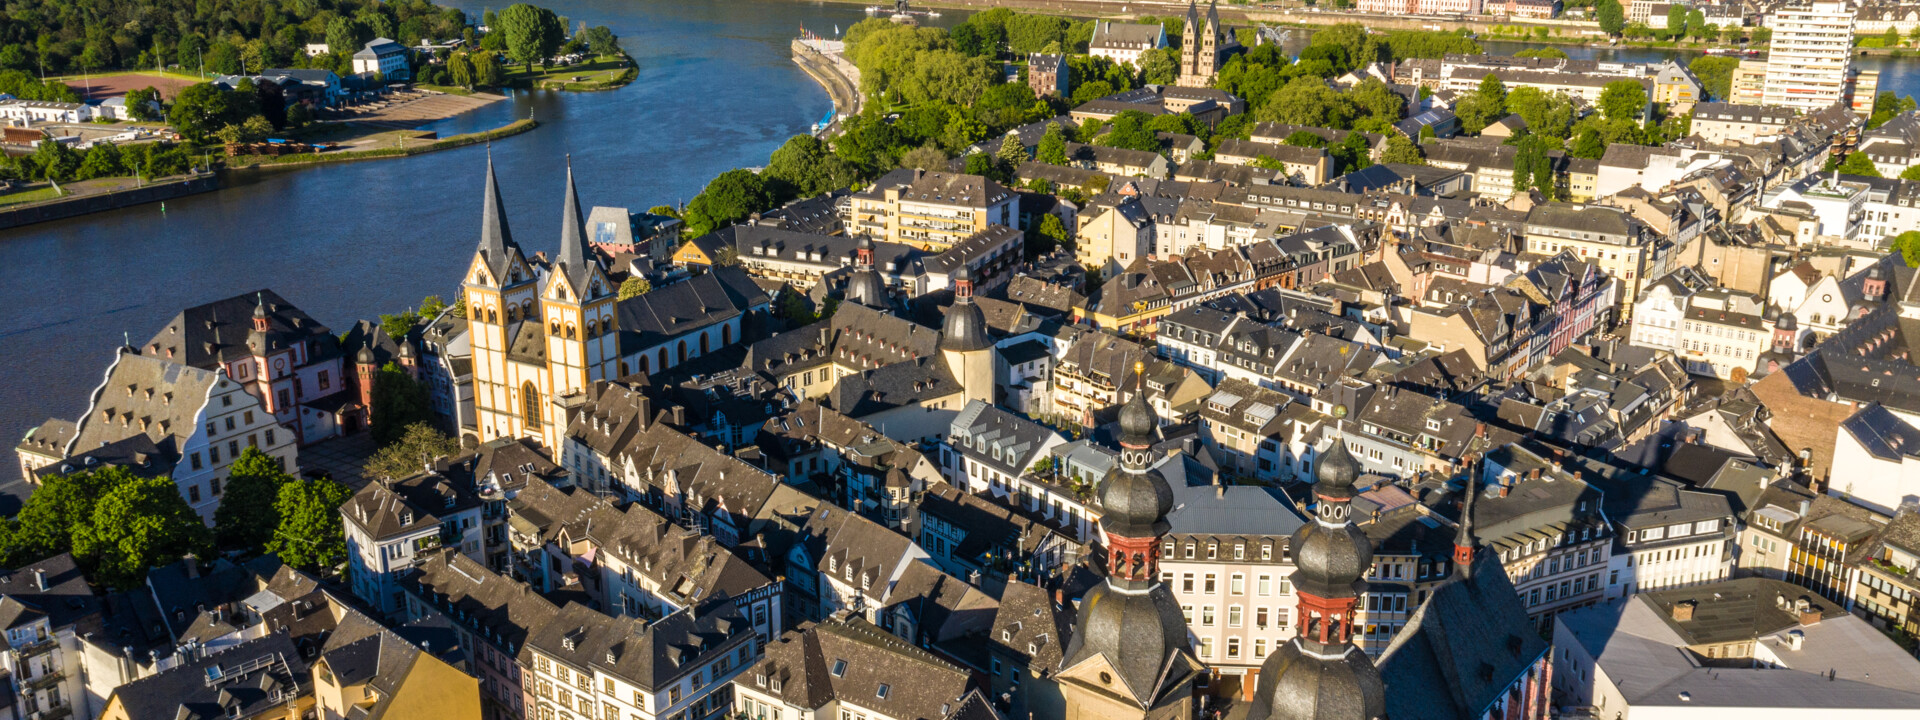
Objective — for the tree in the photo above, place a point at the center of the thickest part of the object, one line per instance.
(1049, 234)
(1160, 66)
(199, 110)
(1400, 149)
(136, 525)
(1548, 114)
(924, 158)
(1012, 153)
(1859, 164)
(102, 160)
(1308, 101)
(56, 161)
(533, 33)
(1677, 19)
(398, 403)
(1484, 107)
(224, 59)
(634, 286)
(1545, 52)
(460, 69)
(1716, 73)
(1588, 144)
(1052, 149)
(487, 71)
(1623, 100)
(1612, 19)
(727, 199)
(1908, 245)
(246, 518)
(310, 536)
(60, 504)
(418, 445)
(1891, 38)
(601, 40)
(1129, 130)
(1911, 173)
(1887, 106)
(144, 104)
(804, 166)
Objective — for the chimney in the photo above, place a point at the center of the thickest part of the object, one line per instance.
(1809, 613)
(1795, 639)
(680, 415)
(1683, 610)
(1059, 597)
(646, 411)
(1805, 507)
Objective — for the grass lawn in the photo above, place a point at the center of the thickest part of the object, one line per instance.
(34, 195)
(605, 68)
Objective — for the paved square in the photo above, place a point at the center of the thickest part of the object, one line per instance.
(341, 458)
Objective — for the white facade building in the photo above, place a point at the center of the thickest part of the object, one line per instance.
(1811, 55)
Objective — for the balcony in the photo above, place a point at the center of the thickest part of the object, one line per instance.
(37, 647)
(43, 681)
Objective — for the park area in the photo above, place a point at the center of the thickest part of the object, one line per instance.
(600, 73)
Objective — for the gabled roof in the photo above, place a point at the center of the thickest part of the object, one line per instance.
(1462, 649)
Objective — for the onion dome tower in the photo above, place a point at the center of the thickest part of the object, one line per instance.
(963, 342)
(864, 286)
(1320, 675)
(1131, 640)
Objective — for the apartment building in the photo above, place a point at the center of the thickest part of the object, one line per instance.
(679, 667)
(1723, 123)
(390, 527)
(1225, 559)
(849, 669)
(1811, 55)
(1548, 528)
(1608, 237)
(1247, 428)
(931, 211)
(1723, 334)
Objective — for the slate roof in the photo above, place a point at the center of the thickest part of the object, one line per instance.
(917, 685)
(146, 395)
(208, 336)
(496, 609)
(1462, 648)
(53, 590)
(649, 656)
(416, 503)
(907, 382)
(683, 308)
(245, 680)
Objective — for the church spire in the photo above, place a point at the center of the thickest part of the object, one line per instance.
(1464, 542)
(495, 238)
(575, 257)
(1320, 675)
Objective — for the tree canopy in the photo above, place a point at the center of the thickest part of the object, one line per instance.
(418, 445)
(310, 536)
(1623, 100)
(533, 33)
(727, 199)
(246, 518)
(136, 524)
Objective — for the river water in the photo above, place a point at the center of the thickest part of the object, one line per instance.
(716, 90)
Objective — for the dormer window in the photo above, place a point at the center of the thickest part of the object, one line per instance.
(839, 668)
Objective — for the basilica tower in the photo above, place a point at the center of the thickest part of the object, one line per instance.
(578, 307)
(1129, 656)
(1319, 674)
(500, 291)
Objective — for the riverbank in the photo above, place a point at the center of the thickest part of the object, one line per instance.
(839, 77)
(418, 145)
(82, 203)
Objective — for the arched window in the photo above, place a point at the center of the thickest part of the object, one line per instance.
(513, 314)
(493, 316)
(726, 335)
(643, 366)
(663, 358)
(683, 351)
(606, 324)
(555, 325)
(593, 330)
(570, 331)
(703, 343)
(529, 404)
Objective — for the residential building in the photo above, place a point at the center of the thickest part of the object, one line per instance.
(1811, 55)
(1723, 334)
(1751, 646)
(446, 369)
(848, 668)
(1723, 123)
(1227, 562)
(385, 676)
(679, 666)
(50, 612)
(1048, 75)
(491, 614)
(385, 57)
(1547, 527)
(1888, 591)
(931, 211)
(1246, 427)
(296, 366)
(266, 678)
(391, 526)
(1609, 238)
(1122, 42)
(1748, 84)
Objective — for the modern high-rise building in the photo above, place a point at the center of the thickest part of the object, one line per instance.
(1812, 55)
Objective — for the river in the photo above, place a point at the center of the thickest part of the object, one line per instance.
(716, 90)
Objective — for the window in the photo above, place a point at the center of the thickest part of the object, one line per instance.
(1233, 647)
(1210, 587)
(1206, 616)
(1206, 648)
(1259, 648)
(325, 381)
(883, 691)
(194, 458)
(193, 493)
(1186, 582)
(1233, 616)
(839, 668)
(249, 417)
(213, 487)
